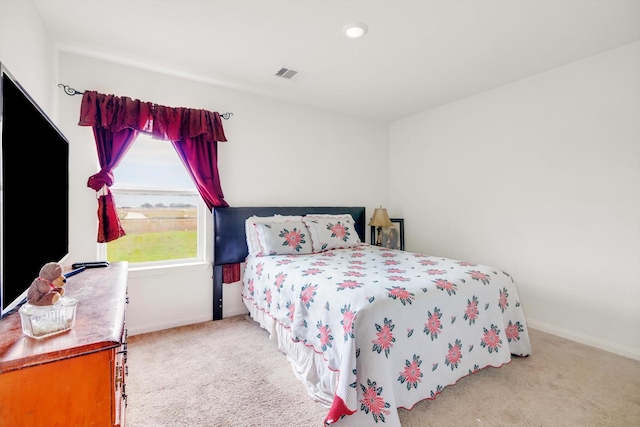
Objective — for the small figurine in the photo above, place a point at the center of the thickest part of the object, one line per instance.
(47, 288)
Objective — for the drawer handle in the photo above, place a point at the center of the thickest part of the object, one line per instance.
(119, 377)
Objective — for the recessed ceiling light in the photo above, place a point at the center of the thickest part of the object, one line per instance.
(355, 30)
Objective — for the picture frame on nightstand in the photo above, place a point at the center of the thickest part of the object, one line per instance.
(391, 237)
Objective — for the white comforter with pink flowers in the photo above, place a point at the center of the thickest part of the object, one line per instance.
(397, 327)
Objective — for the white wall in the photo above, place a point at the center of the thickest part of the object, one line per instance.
(277, 154)
(540, 178)
(26, 49)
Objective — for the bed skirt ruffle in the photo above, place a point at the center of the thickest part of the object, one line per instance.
(308, 366)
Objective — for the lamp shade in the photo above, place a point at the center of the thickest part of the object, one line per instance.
(380, 218)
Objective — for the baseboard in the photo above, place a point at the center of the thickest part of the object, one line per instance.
(632, 353)
(145, 329)
(236, 311)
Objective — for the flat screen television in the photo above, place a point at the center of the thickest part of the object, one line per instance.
(34, 187)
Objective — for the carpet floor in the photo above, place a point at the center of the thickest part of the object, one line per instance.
(228, 373)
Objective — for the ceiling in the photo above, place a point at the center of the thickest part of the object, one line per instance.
(416, 55)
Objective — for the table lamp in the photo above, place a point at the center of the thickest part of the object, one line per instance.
(380, 219)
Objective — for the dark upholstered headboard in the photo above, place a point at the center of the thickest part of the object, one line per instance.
(230, 242)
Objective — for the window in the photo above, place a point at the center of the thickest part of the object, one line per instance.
(158, 206)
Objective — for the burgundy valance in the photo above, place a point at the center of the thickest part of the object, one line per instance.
(178, 124)
(116, 113)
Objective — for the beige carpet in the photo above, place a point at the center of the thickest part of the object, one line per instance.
(228, 373)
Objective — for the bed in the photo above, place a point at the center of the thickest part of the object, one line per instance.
(367, 330)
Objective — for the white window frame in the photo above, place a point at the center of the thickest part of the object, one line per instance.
(201, 221)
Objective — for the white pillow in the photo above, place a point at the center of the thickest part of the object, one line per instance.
(284, 238)
(331, 231)
(250, 228)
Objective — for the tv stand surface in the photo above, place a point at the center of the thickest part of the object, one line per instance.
(77, 377)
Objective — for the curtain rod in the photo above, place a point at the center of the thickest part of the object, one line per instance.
(71, 91)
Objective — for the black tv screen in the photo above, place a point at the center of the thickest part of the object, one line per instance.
(34, 206)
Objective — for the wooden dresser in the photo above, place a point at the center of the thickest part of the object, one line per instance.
(77, 377)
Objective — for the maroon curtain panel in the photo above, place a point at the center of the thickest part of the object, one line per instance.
(231, 273)
(112, 146)
(200, 157)
(194, 135)
(116, 122)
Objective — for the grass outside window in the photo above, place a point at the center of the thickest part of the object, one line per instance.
(155, 234)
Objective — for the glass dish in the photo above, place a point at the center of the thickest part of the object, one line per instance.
(44, 321)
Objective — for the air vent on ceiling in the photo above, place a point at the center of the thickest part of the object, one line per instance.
(286, 73)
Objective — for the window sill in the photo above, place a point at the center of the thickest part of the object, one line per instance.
(154, 270)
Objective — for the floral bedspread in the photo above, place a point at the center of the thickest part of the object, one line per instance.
(398, 326)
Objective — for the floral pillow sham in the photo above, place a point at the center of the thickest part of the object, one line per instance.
(331, 231)
(252, 234)
(283, 238)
